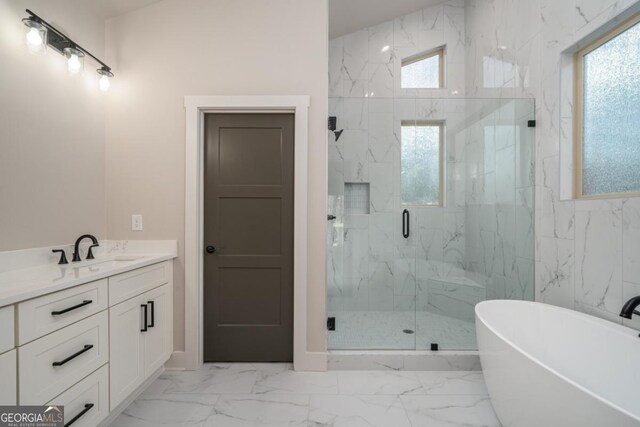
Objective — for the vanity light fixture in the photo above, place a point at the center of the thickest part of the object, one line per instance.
(40, 34)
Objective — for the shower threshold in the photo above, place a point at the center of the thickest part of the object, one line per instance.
(404, 360)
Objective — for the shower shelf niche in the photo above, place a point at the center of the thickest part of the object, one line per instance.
(356, 198)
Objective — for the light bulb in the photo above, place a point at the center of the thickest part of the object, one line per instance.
(34, 38)
(35, 35)
(74, 64)
(385, 48)
(104, 83)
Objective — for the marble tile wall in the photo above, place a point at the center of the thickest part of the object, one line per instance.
(587, 253)
(367, 62)
(500, 198)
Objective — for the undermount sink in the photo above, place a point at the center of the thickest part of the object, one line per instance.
(110, 262)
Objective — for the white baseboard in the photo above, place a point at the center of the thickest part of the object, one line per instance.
(177, 361)
(133, 396)
(312, 361)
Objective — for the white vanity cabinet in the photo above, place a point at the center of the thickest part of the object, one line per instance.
(90, 346)
(142, 330)
(9, 375)
(8, 357)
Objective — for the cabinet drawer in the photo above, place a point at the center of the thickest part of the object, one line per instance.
(88, 400)
(9, 389)
(48, 313)
(53, 363)
(128, 285)
(8, 330)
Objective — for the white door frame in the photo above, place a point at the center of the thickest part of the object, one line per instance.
(196, 107)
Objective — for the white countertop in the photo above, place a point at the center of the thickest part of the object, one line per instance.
(33, 281)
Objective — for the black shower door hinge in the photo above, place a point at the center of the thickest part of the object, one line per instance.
(331, 323)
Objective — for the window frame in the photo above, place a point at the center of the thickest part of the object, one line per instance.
(432, 123)
(578, 111)
(438, 51)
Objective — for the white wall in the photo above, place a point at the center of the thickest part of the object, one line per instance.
(52, 158)
(225, 47)
(587, 252)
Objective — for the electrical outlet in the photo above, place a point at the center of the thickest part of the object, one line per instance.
(136, 222)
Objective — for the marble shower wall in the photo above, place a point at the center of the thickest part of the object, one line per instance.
(587, 253)
(360, 67)
(499, 210)
(371, 266)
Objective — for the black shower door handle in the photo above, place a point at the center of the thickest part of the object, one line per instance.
(405, 223)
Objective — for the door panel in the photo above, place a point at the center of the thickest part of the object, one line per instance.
(126, 353)
(158, 338)
(253, 296)
(250, 226)
(248, 211)
(244, 151)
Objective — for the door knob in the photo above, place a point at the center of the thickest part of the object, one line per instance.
(211, 249)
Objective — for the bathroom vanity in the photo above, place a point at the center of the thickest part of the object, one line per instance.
(88, 336)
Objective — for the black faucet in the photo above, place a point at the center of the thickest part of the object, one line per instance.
(76, 252)
(629, 308)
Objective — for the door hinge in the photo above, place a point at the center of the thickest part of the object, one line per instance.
(331, 323)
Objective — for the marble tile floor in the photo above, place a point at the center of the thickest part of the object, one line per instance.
(242, 394)
(383, 330)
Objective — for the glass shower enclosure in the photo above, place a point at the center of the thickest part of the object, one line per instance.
(431, 210)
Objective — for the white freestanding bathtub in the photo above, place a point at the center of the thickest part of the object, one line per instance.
(547, 366)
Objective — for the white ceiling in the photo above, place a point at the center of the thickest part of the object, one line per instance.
(346, 16)
(110, 8)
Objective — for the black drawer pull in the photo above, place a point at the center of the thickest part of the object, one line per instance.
(86, 409)
(66, 310)
(153, 315)
(145, 309)
(73, 356)
(405, 223)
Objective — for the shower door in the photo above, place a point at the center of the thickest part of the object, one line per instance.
(371, 265)
(433, 206)
(488, 223)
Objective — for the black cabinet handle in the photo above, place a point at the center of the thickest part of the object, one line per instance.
(210, 249)
(145, 310)
(153, 315)
(86, 409)
(74, 355)
(405, 223)
(66, 310)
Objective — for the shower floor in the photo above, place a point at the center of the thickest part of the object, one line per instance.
(383, 330)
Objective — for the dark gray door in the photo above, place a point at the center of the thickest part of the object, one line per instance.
(248, 238)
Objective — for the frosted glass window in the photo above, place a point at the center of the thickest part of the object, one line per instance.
(424, 71)
(610, 128)
(421, 161)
